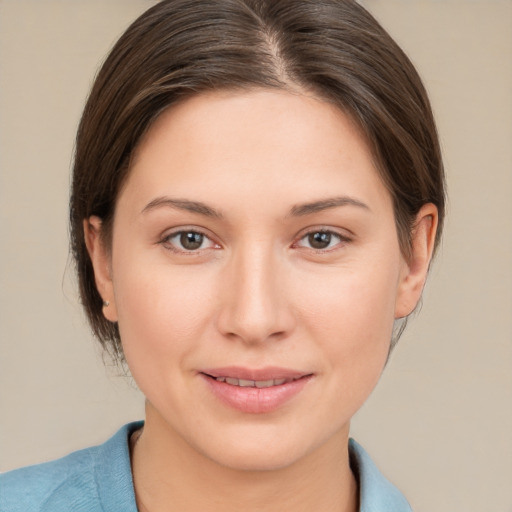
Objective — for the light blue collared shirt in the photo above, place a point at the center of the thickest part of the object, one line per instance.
(99, 479)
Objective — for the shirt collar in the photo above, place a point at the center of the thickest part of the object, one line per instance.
(375, 491)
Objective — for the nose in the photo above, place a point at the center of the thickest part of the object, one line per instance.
(254, 303)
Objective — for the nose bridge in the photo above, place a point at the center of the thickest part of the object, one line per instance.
(254, 307)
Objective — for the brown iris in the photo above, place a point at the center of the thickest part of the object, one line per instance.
(319, 239)
(191, 240)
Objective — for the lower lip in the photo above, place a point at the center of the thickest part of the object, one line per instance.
(256, 400)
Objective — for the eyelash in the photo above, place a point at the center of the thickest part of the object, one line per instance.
(341, 240)
(167, 241)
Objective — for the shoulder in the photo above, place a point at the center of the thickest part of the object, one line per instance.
(86, 480)
(50, 485)
(375, 491)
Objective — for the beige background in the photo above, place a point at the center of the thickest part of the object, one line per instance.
(440, 422)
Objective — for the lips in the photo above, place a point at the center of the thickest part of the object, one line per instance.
(252, 383)
(255, 391)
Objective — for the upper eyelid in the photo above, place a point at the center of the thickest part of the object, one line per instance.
(344, 233)
(168, 234)
(343, 239)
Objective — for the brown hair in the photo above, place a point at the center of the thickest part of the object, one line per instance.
(179, 48)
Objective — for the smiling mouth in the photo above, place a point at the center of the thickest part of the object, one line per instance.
(255, 391)
(260, 384)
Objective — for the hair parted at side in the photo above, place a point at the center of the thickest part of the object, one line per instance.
(179, 48)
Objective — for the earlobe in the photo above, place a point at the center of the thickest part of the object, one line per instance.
(100, 259)
(415, 269)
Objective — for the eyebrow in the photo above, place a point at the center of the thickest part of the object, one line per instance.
(325, 204)
(182, 204)
(296, 211)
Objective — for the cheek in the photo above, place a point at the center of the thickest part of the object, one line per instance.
(352, 316)
(162, 311)
(357, 304)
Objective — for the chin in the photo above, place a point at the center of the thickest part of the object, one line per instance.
(257, 458)
(262, 450)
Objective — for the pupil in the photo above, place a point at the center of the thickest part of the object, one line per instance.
(191, 241)
(319, 240)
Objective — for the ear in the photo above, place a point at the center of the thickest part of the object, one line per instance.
(100, 259)
(415, 269)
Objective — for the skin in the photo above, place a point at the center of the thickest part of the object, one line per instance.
(256, 293)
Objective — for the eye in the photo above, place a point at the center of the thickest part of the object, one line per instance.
(321, 240)
(189, 241)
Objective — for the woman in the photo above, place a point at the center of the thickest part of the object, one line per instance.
(257, 195)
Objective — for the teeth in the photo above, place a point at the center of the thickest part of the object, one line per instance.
(244, 383)
(265, 383)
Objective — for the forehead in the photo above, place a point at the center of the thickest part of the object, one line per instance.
(276, 143)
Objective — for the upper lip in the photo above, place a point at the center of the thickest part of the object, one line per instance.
(256, 374)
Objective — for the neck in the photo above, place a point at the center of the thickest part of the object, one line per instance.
(169, 474)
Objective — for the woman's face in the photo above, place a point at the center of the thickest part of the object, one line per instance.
(255, 273)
